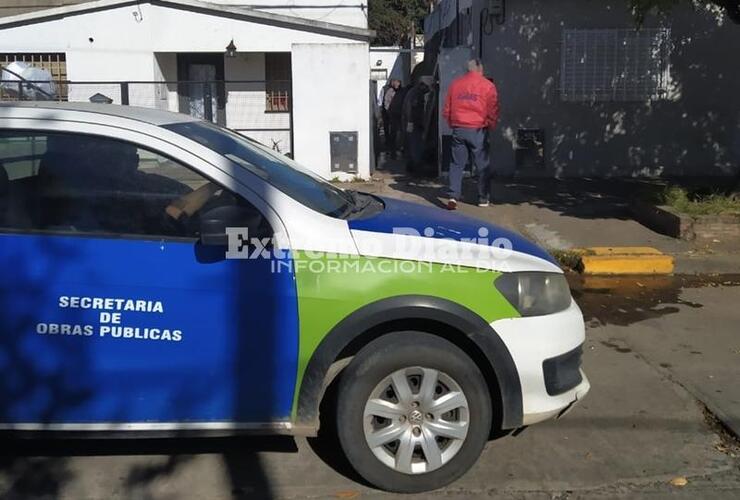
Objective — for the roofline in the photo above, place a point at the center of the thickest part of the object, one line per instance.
(233, 12)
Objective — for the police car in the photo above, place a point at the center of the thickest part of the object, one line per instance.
(163, 274)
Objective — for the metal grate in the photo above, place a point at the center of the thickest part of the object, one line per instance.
(55, 63)
(615, 64)
(278, 77)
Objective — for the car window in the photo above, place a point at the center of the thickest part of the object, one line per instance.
(89, 184)
(280, 171)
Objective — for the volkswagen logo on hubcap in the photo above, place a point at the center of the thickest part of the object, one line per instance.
(416, 417)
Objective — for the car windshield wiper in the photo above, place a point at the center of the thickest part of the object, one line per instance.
(348, 207)
(356, 203)
(352, 197)
(361, 201)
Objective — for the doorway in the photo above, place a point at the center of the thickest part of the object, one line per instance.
(201, 90)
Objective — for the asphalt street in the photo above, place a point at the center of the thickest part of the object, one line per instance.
(662, 356)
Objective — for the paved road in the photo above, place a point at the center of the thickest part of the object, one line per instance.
(687, 328)
(653, 349)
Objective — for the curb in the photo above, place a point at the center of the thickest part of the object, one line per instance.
(624, 260)
(609, 251)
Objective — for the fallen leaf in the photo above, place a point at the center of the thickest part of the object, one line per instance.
(679, 481)
(347, 494)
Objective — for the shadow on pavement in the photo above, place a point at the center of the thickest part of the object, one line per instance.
(34, 477)
(580, 198)
(326, 446)
(41, 468)
(584, 198)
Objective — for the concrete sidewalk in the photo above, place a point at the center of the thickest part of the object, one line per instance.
(562, 215)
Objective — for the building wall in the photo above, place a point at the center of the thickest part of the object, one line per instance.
(694, 132)
(338, 99)
(245, 103)
(115, 45)
(165, 70)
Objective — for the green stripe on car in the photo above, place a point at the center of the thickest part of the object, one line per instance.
(328, 291)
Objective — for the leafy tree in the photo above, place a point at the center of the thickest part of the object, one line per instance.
(395, 20)
(641, 7)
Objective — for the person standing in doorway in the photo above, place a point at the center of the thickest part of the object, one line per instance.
(395, 112)
(471, 109)
(389, 92)
(414, 122)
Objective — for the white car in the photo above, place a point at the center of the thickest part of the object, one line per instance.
(164, 275)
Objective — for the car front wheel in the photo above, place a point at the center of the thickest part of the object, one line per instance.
(413, 412)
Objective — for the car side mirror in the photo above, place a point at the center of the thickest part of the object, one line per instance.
(213, 223)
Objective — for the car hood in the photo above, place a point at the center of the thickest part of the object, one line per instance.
(433, 222)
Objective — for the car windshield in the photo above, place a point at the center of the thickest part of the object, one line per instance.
(280, 171)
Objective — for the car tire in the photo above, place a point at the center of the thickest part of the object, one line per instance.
(374, 406)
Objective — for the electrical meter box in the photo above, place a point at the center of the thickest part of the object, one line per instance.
(343, 152)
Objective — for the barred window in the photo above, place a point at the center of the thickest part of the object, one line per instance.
(278, 81)
(54, 62)
(615, 64)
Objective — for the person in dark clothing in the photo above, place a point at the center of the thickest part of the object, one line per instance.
(395, 113)
(389, 92)
(414, 114)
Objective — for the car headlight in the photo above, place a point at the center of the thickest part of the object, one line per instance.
(535, 293)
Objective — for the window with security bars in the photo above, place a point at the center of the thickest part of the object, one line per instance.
(54, 62)
(615, 64)
(277, 82)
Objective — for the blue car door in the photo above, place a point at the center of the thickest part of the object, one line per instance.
(112, 310)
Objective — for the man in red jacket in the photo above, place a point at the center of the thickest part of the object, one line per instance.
(471, 109)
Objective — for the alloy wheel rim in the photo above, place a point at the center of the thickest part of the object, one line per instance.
(416, 420)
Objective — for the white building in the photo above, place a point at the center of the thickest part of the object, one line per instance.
(296, 72)
(393, 63)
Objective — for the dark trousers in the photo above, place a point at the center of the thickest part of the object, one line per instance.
(386, 128)
(414, 150)
(468, 142)
(394, 133)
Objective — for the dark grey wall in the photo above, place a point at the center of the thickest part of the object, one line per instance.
(697, 133)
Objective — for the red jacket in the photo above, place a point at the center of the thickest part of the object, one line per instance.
(472, 102)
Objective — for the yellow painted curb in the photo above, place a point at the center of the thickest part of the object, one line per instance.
(621, 251)
(627, 284)
(627, 264)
